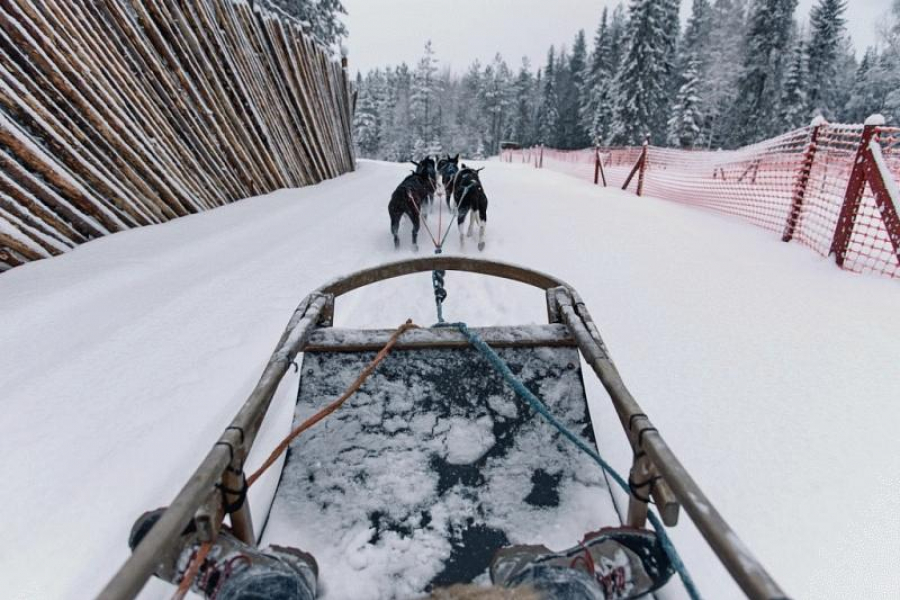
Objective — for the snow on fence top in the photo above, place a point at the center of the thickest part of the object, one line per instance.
(821, 185)
(121, 113)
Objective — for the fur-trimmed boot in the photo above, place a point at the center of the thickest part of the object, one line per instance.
(232, 570)
(610, 564)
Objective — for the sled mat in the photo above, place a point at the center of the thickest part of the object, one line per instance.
(435, 463)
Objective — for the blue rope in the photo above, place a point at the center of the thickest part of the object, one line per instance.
(500, 365)
(440, 294)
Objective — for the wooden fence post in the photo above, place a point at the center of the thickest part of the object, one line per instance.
(856, 186)
(639, 168)
(644, 155)
(598, 166)
(802, 180)
(541, 157)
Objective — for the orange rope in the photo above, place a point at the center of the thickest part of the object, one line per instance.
(334, 405)
(191, 573)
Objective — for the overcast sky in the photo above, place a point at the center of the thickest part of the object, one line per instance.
(388, 32)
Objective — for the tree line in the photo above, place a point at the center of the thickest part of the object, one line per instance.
(740, 71)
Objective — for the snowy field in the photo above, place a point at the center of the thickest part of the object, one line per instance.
(772, 373)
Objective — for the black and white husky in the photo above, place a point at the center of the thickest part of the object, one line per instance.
(413, 198)
(448, 168)
(469, 196)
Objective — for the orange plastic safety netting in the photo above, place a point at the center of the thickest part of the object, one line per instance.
(793, 185)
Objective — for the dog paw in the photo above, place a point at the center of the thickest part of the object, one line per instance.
(415, 247)
(480, 246)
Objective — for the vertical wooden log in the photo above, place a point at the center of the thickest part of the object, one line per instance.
(120, 113)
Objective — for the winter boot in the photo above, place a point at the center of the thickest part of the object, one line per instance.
(610, 564)
(233, 570)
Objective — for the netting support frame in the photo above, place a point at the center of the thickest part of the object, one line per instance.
(865, 170)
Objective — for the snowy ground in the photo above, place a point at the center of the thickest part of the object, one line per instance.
(771, 372)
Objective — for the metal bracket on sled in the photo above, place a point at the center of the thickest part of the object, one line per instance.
(646, 482)
(326, 318)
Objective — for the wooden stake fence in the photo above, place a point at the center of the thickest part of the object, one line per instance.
(121, 113)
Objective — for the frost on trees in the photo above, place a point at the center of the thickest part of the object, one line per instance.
(759, 86)
(684, 125)
(795, 106)
(322, 16)
(827, 26)
(642, 92)
(735, 74)
(548, 117)
(365, 124)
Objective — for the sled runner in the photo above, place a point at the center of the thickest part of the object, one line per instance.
(456, 445)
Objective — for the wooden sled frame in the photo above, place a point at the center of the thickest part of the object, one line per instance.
(202, 501)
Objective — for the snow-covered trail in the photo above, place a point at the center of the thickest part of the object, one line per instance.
(771, 372)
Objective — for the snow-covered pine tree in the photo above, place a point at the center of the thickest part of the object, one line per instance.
(724, 65)
(794, 107)
(537, 116)
(876, 87)
(889, 65)
(479, 153)
(471, 120)
(563, 91)
(521, 121)
(684, 125)
(423, 94)
(322, 16)
(827, 25)
(573, 134)
(434, 147)
(420, 149)
(618, 29)
(642, 93)
(759, 85)
(844, 79)
(365, 121)
(697, 34)
(496, 101)
(594, 71)
(864, 98)
(400, 137)
(694, 48)
(548, 115)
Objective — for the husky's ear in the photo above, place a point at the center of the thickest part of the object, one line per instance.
(479, 170)
(455, 159)
(414, 162)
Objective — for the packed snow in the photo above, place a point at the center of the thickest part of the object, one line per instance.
(771, 372)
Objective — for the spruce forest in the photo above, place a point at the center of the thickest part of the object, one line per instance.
(739, 71)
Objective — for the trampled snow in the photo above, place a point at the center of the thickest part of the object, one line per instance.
(772, 373)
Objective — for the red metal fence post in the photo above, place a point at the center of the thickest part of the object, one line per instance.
(800, 183)
(596, 163)
(876, 173)
(855, 189)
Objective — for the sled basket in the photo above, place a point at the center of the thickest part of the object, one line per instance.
(435, 455)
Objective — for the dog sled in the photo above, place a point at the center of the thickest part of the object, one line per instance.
(451, 445)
